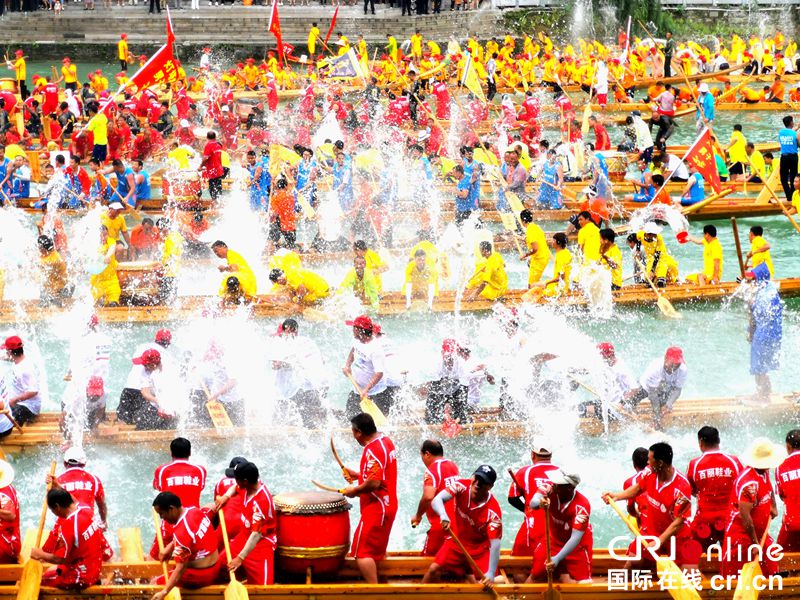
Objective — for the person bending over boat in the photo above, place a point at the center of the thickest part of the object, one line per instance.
(237, 266)
(19, 388)
(138, 403)
(712, 257)
(438, 472)
(366, 367)
(787, 484)
(661, 383)
(448, 388)
(301, 286)
(75, 544)
(611, 257)
(376, 490)
(361, 283)
(105, 284)
(694, 191)
(478, 524)
(570, 530)
(56, 288)
(669, 507)
(536, 244)
(193, 547)
(489, 280)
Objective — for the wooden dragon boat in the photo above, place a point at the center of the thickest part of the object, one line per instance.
(486, 422)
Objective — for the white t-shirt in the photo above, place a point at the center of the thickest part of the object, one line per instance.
(91, 356)
(473, 378)
(676, 164)
(140, 378)
(454, 375)
(215, 377)
(393, 376)
(617, 381)
(22, 378)
(369, 359)
(655, 376)
(303, 368)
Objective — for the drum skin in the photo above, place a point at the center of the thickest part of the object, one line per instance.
(617, 165)
(313, 531)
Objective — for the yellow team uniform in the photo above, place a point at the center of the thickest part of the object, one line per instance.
(180, 156)
(115, 226)
(541, 258)
(374, 263)
(736, 151)
(313, 35)
(667, 267)
(54, 273)
(614, 254)
(243, 272)
(285, 260)
(562, 269)
(711, 251)
(762, 257)
(420, 280)
(589, 242)
(99, 127)
(172, 254)
(122, 50)
(105, 285)
(433, 258)
(491, 271)
(316, 287)
(20, 69)
(70, 73)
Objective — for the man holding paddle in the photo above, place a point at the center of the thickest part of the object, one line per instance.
(439, 471)
(366, 367)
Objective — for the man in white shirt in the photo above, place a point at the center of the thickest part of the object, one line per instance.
(661, 383)
(616, 383)
(213, 382)
(448, 387)
(394, 373)
(90, 355)
(138, 404)
(366, 367)
(601, 83)
(19, 388)
(644, 139)
(301, 378)
(674, 165)
(475, 374)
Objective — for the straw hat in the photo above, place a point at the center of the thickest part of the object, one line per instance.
(6, 474)
(763, 454)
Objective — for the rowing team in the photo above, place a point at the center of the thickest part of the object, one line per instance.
(735, 503)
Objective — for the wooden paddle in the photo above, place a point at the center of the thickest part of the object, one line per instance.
(174, 593)
(30, 582)
(735, 228)
(750, 570)
(664, 305)
(10, 417)
(550, 593)
(475, 568)
(345, 471)
(235, 590)
(216, 410)
(368, 404)
(779, 202)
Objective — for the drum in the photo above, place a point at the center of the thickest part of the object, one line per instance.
(181, 186)
(617, 164)
(313, 531)
(139, 281)
(244, 106)
(8, 84)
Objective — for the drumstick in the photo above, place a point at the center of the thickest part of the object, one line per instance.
(327, 488)
(345, 472)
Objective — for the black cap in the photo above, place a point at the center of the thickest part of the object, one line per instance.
(486, 474)
(246, 471)
(235, 462)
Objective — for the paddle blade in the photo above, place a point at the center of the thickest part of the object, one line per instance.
(514, 202)
(745, 590)
(219, 416)
(369, 407)
(587, 112)
(31, 581)
(680, 587)
(551, 594)
(236, 591)
(508, 221)
(174, 594)
(666, 308)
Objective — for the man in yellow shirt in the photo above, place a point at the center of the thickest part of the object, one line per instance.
(171, 254)
(416, 46)
(588, 238)
(115, 225)
(737, 155)
(559, 284)
(104, 284)
(712, 257)
(759, 251)
(538, 251)
(55, 284)
(313, 36)
(179, 156)
(360, 282)
(391, 47)
(300, 285)
(611, 257)
(122, 51)
(19, 66)
(661, 267)
(98, 125)
(374, 262)
(489, 280)
(237, 266)
(758, 166)
(421, 279)
(69, 74)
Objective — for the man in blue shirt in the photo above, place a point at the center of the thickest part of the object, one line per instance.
(141, 179)
(705, 108)
(787, 137)
(466, 198)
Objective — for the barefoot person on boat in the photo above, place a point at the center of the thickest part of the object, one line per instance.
(20, 387)
(661, 383)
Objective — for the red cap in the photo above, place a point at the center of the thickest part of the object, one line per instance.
(95, 387)
(143, 57)
(250, 61)
(240, 65)
(206, 49)
(449, 346)
(262, 66)
(19, 53)
(376, 329)
(606, 349)
(124, 36)
(65, 59)
(99, 72)
(674, 355)
(149, 357)
(163, 336)
(12, 343)
(94, 321)
(362, 322)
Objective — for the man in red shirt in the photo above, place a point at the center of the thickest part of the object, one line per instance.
(253, 549)
(233, 506)
(75, 545)
(753, 505)
(86, 489)
(637, 506)
(787, 481)
(669, 497)
(531, 477)
(183, 479)
(193, 547)
(10, 543)
(211, 166)
(529, 111)
(78, 177)
(145, 239)
(442, 100)
(438, 472)
(377, 494)
(570, 530)
(712, 475)
(478, 521)
(601, 139)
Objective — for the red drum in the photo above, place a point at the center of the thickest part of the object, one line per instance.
(181, 185)
(140, 281)
(617, 163)
(313, 531)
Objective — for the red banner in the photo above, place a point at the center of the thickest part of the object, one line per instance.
(333, 24)
(701, 157)
(162, 68)
(275, 26)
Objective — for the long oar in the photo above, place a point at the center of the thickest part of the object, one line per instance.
(550, 593)
(745, 588)
(174, 593)
(31, 580)
(368, 404)
(475, 568)
(666, 568)
(235, 590)
(345, 471)
(738, 243)
(664, 305)
(216, 410)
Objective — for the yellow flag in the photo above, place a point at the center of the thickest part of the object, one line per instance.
(469, 79)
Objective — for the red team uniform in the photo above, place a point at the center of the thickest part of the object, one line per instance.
(437, 476)
(232, 508)
(712, 476)
(195, 538)
(379, 507)
(532, 530)
(186, 481)
(754, 488)
(258, 515)
(787, 480)
(79, 540)
(476, 524)
(10, 543)
(564, 519)
(640, 502)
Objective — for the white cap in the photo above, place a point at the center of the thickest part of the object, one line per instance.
(652, 228)
(75, 456)
(184, 123)
(6, 474)
(559, 477)
(225, 109)
(542, 446)
(703, 87)
(116, 206)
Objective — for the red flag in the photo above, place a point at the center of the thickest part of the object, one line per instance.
(333, 23)
(170, 30)
(701, 156)
(275, 26)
